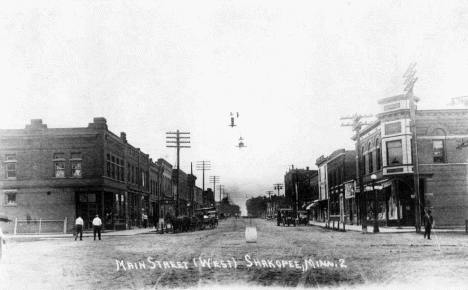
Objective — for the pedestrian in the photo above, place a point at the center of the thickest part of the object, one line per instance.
(145, 220)
(97, 223)
(428, 223)
(79, 228)
(156, 219)
(278, 218)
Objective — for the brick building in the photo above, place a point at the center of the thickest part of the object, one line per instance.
(57, 173)
(341, 169)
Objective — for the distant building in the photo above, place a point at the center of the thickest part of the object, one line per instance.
(297, 185)
(321, 211)
(208, 198)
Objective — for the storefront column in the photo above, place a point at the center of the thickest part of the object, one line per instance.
(127, 211)
(395, 192)
(387, 208)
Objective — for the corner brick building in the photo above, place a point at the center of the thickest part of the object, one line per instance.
(60, 173)
(443, 163)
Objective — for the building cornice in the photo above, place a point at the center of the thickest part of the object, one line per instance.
(396, 98)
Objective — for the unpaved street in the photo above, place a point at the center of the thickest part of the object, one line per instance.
(283, 256)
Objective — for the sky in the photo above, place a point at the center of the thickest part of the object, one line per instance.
(291, 69)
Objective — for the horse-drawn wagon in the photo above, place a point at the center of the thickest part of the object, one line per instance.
(209, 216)
(203, 218)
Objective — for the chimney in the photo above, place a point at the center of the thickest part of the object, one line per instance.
(307, 168)
(98, 123)
(123, 136)
(36, 124)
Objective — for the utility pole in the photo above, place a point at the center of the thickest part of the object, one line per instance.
(278, 186)
(178, 136)
(192, 184)
(221, 191)
(269, 192)
(362, 200)
(203, 165)
(214, 179)
(409, 82)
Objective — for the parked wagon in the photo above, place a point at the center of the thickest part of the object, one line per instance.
(207, 217)
(288, 217)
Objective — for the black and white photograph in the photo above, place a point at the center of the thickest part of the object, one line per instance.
(234, 144)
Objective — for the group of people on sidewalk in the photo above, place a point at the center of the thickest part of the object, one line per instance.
(97, 224)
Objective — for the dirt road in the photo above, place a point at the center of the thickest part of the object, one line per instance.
(282, 257)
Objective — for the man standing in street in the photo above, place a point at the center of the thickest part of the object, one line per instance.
(428, 223)
(79, 228)
(97, 223)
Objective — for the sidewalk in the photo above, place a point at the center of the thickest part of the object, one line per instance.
(88, 234)
(370, 227)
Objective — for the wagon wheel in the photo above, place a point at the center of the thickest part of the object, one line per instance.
(214, 223)
(200, 225)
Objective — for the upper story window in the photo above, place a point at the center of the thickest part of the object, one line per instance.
(394, 153)
(10, 166)
(76, 162)
(438, 150)
(438, 145)
(10, 157)
(371, 161)
(59, 165)
(378, 155)
(114, 167)
(363, 161)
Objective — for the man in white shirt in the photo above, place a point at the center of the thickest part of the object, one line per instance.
(97, 223)
(79, 228)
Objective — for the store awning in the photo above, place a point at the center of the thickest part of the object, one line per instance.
(312, 204)
(378, 185)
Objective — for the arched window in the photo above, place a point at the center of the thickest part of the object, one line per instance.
(378, 155)
(363, 161)
(371, 161)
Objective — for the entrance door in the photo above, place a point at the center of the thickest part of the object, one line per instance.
(88, 208)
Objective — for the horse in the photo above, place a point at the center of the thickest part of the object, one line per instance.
(179, 224)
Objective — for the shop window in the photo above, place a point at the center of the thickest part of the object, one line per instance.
(10, 198)
(59, 165)
(438, 151)
(394, 153)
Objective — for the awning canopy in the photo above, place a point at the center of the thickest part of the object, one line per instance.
(378, 185)
(312, 204)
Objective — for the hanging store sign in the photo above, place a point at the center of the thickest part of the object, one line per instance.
(349, 190)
